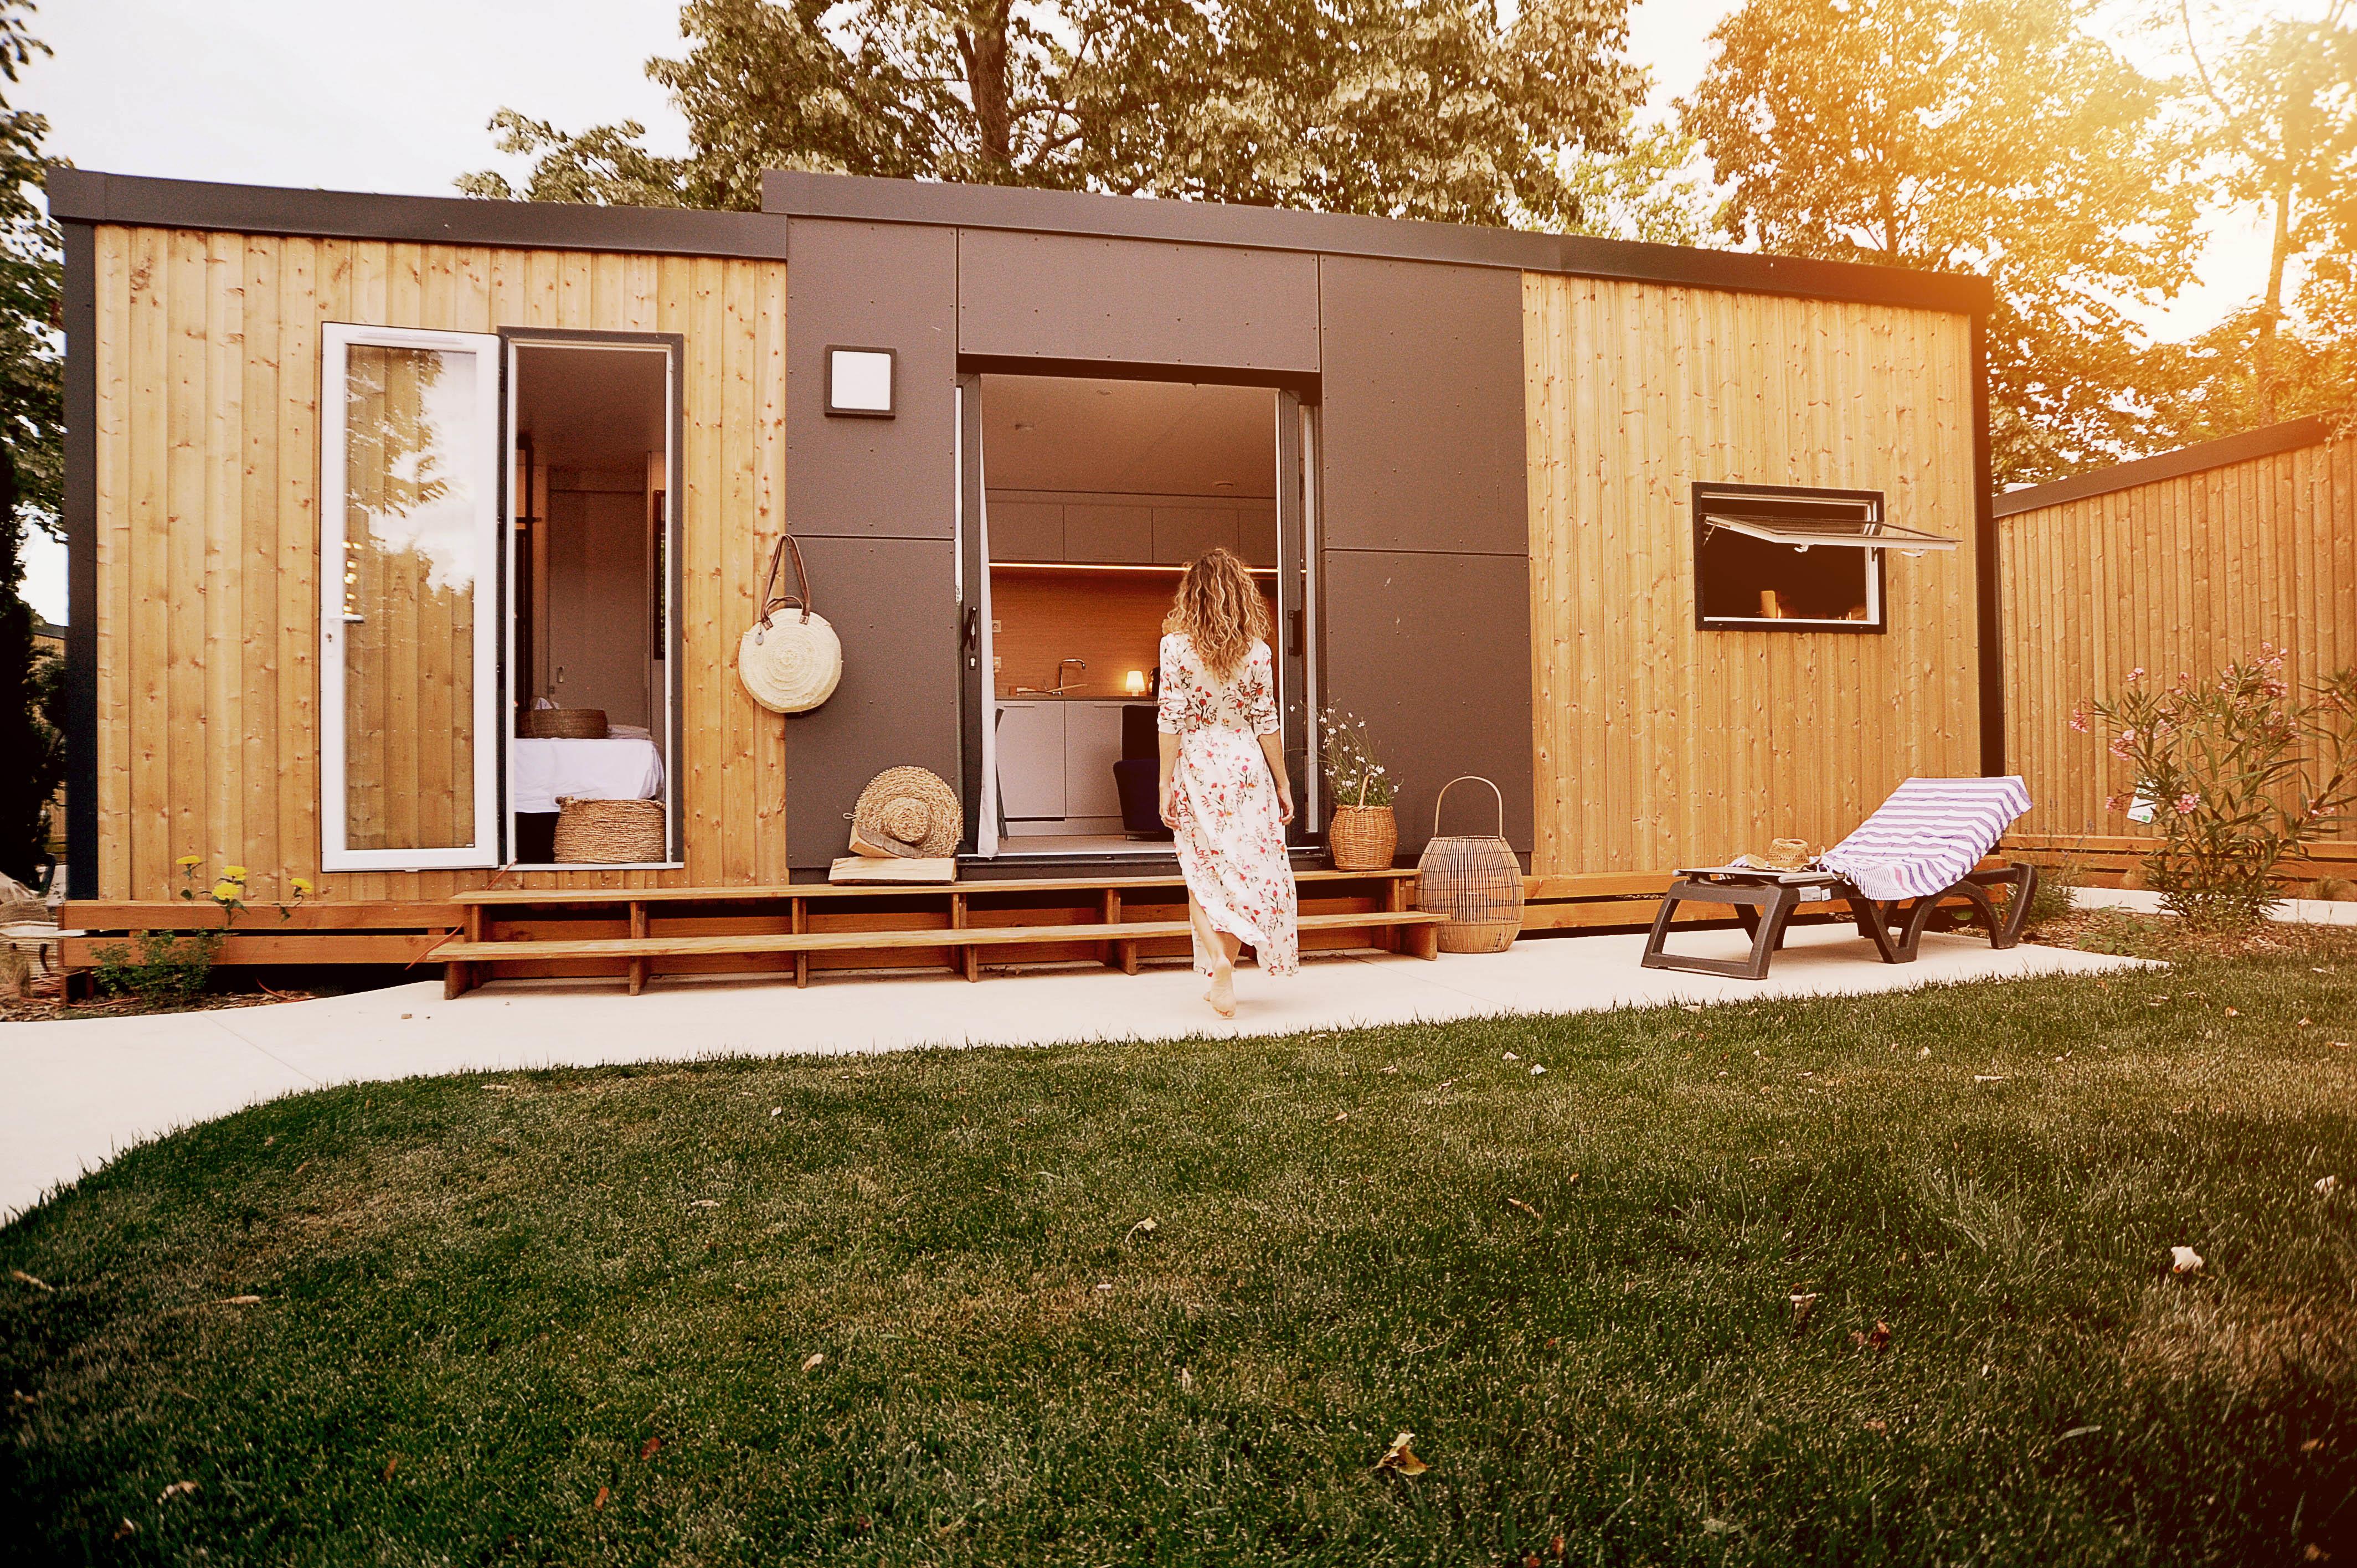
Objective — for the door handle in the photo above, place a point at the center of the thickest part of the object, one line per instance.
(1294, 616)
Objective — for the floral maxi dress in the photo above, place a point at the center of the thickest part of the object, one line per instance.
(1231, 843)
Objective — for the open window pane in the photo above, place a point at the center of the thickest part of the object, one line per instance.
(1776, 559)
(408, 531)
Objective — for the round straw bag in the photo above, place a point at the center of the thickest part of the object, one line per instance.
(790, 660)
(608, 832)
(1474, 882)
(562, 724)
(908, 811)
(1361, 837)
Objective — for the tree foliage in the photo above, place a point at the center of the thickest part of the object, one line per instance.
(31, 751)
(1427, 109)
(2275, 100)
(1987, 136)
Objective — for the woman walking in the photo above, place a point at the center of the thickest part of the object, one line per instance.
(1224, 793)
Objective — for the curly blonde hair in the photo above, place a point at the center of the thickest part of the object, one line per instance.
(1220, 610)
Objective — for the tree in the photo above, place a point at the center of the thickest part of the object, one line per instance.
(2278, 107)
(31, 756)
(1407, 108)
(1985, 136)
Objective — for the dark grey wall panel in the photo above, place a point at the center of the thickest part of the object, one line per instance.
(873, 285)
(1425, 443)
(890, 602)
(1064, 297)
(1434, 652)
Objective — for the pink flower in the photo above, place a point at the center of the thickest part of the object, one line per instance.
(2078, 720)
(2121, 747)
(2185, 804)
(2135, 674)
(2114, 803)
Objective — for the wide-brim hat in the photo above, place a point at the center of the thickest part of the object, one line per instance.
(910, 812)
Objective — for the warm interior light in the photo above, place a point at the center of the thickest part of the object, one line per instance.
(1134, 684)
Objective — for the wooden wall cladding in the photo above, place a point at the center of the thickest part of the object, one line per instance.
(1658, 745)
(207, 435)
(2180, 574)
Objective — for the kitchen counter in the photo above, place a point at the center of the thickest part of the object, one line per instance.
(1069, 697)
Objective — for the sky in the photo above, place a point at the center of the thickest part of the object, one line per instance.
(362, 95)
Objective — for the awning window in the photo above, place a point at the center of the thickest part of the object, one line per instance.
(1848, 532)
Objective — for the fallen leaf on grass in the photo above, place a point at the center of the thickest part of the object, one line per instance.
(1400, 1458)
(603, 1493)
(777, 1111)
(653, 1446)
(811, 1362)
(705, 1203)
(125, 1527)
(1989, 1078)
(1691, 1006)
(1878, 1426)
(1525, 1208)
(2311, 1445)
(1105, 1285)
(1147, 1225)
(1341, 1116)
(1512, 1057)
(2183, 1260)
(1804, 1303)
(239, 1301)
(1878, 1341)
(389, 1464)
(1389, 1071)
(21, 1277)
(2327, 1185)
(2233, 1012)
(176, 1489)
(1537, 1070)
(2303, 1023)
(2077, 1432)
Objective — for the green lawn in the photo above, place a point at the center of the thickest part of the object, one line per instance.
(908, 1309)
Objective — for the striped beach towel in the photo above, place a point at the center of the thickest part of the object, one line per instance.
(1928, 835)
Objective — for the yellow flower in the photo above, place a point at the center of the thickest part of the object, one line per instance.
(192, 860)
(225, 892)
(302, 886)
(233, 872)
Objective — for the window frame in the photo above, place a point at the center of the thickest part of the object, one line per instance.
(1706, 496)
(337, 339)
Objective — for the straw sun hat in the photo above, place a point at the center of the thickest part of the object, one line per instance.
(908, 811)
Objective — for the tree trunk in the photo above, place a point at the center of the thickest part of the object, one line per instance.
(986, 80)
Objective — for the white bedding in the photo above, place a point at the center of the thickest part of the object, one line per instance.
(622, 769)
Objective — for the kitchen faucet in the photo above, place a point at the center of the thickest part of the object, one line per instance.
(1059, 671)
(1057, 690)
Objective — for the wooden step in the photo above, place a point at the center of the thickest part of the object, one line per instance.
(582, 897)
(1123, 937)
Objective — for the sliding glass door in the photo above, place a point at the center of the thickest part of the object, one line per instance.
(409, 536)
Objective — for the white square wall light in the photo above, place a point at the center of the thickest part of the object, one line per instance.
(859, 382)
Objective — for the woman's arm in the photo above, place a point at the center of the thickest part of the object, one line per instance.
(1170, 748)
(1271, 747)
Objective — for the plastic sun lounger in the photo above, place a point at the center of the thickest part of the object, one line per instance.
(1915, 854)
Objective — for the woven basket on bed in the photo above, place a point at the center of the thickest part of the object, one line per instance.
(608, 832)
(563, 723)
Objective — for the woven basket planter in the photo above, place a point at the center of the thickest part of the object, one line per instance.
(1363, 838)
(608, 832)
(562, 724)
(1474, 882)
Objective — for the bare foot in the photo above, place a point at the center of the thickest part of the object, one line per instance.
(1222, 993)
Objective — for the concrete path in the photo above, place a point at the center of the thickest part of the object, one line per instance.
(2290, 912)
(72, 1095)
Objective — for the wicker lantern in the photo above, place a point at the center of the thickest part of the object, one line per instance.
(1474, 881)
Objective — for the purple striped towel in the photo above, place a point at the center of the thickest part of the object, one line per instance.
(1928, 835)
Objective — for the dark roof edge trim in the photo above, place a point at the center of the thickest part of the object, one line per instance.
(858, 198)
(2265, 441)
(83, 196)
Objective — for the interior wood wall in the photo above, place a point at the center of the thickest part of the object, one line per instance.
(2182, 575)
(208, 447)
(1656, 745)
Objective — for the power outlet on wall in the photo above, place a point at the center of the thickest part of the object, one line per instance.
(996, 663)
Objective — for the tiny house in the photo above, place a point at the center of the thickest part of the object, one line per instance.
(1685, 550)
(2180, 562)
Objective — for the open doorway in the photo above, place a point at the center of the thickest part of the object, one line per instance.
(1094, 496)
(593, 625)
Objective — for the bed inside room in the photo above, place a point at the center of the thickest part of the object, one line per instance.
(591, 620)
(1098, 493)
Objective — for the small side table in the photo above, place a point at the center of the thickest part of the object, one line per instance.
(1763, 900)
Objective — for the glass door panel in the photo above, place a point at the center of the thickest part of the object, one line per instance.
(408, 532)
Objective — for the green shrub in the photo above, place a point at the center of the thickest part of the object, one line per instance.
(160, 969)
(2051, 900)
(2237, 774)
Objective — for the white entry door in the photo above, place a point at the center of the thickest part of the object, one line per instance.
(408, 552)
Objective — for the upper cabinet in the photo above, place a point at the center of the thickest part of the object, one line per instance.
(1108, 534)
(1026, 530)
(1035, 526)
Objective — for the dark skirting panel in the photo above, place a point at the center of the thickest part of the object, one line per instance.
(1434, 652)
(889, 601)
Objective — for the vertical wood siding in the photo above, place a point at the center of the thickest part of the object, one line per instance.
(208, 447)
(2179, 576)
(1657, 744)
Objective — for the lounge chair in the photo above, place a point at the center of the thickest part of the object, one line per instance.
(1917, 852)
